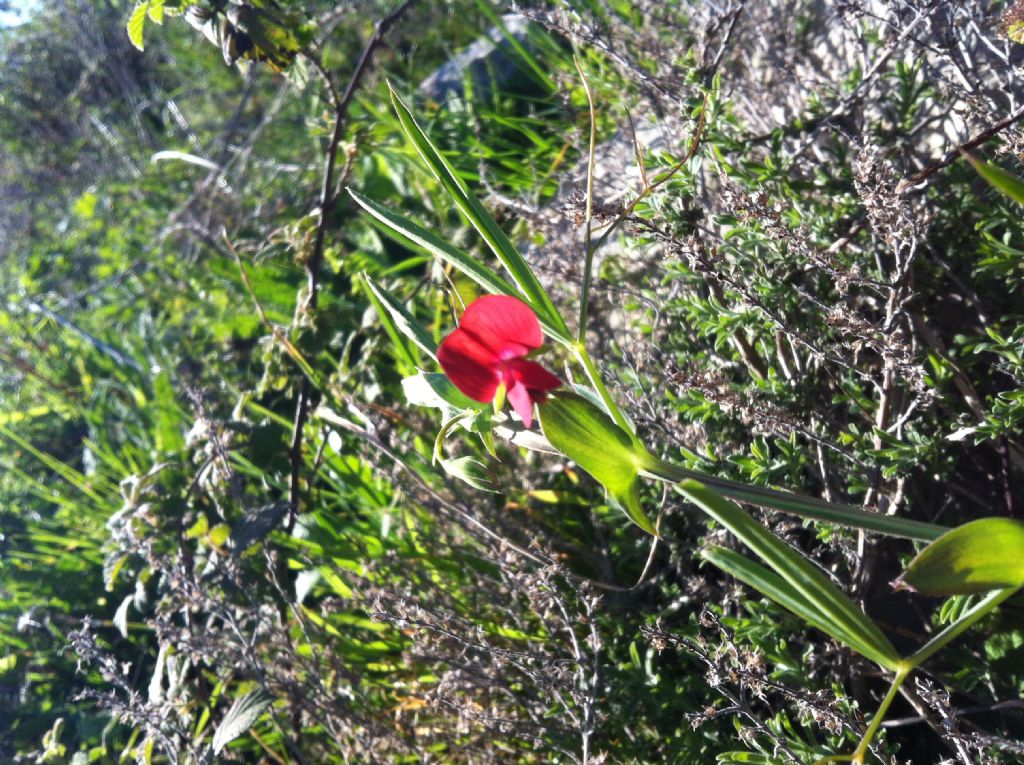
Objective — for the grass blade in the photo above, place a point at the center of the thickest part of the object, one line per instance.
(1003, 180)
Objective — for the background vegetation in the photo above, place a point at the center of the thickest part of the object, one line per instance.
(222, 533)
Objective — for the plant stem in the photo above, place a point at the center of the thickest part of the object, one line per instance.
(924, 653)
(954, 630)
(595, 379)
(588, 248)
(869, 734)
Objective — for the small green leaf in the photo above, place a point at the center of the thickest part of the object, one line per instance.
(470, 471)
(218, 535)
(589, 437)
(1004, 181)
(136, 23)
(1015, 31)
(156, 11)
(242, 715)
(986, 554)
(435, 390)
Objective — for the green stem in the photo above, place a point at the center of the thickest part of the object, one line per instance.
(924, 653)
(595, 379)
(869, 734)
(588, 263)
(805, 507)
(956, 628)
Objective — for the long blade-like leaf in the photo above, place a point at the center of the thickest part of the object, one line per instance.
(775, 587)
(820, 593)
(805, 507)
(481, 220)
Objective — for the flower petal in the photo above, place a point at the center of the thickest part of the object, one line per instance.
(522, 402)
(536, 378)
(504, 324)
(472, 367)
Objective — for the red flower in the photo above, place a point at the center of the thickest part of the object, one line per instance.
(487, 351)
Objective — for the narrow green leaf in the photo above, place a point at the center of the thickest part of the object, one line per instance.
(817, 590)
(804, 507)
(1004, 181)
(778, 589)
(751, 758)
(242, 715)
(523, 55)
(986, 554)
(136, 23)
(481, 220)
(399, 323)
(415, 237)
(589, 437)
(65, 471)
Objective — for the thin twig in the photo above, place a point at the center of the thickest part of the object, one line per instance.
(315, 261)
(914, 182)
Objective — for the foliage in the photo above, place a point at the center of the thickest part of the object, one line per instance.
(243, 516)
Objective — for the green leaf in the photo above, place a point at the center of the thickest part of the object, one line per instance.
(818, 594)
(435, 390)
(589, 437)
(805, 507)
(752, 758)
(470, 471)
(773, 586)
(156, 11)
(398, 323)
(1014, 31)
(169, 417)
(986, 554)
(415, 237)
(481, 220)
(1004, 181)
(136, 23)
(242, 715)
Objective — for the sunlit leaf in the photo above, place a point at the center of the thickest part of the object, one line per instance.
(136, 24)
(986, 554)
(399, 323)
(589, 437)
(477, 215)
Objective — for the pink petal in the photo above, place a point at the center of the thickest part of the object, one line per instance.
(522, 402)
(472, 367)
(533, 376)
(504, 324)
